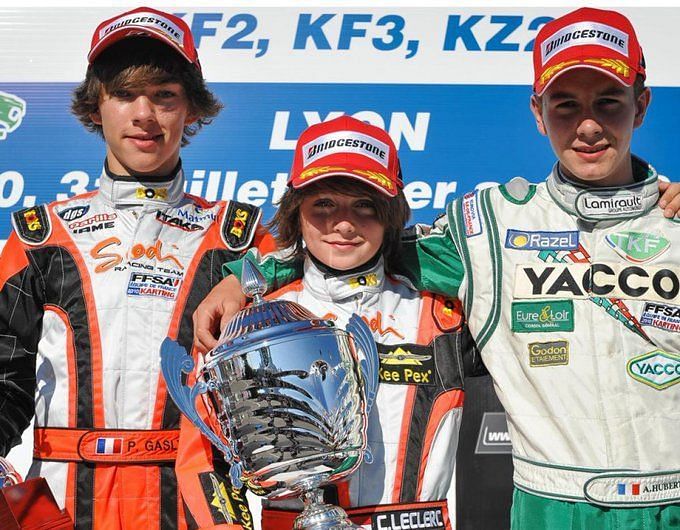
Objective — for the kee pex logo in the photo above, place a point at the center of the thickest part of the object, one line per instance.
(12, 112)
(658, 369)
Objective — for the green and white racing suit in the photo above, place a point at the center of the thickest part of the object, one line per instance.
(573, 297)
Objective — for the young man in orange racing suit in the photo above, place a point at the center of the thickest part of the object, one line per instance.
(90, 286)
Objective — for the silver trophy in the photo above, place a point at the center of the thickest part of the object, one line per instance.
(291, 394)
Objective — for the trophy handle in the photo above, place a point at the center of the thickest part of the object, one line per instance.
(174, 361)
(368, 357)
(8, 475)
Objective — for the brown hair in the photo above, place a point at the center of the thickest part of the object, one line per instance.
(392, 213)
(139, 61)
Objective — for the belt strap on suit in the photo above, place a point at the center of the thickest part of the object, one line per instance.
(105, 446)
(403, 516)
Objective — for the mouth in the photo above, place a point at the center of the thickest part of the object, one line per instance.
(343, 245)
(145, 140)
(591, 152)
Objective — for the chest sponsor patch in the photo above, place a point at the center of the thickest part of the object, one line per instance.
(74, 212)
(583, 280)
(661, 316)
(177, 222)
(406, 364)
(638, 247)
(554, 353)
(408, 519)
(157, 285)
(658, 369)
(471, 219)
(539, 240)
(544, 316)
(94, 223)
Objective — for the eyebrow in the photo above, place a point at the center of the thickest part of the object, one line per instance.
(614, 91)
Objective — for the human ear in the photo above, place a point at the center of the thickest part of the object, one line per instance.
(641, 106)
(96, 117)
(536, 106)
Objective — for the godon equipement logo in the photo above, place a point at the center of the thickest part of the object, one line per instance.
(658, 369)
(553, 353)
(12, 112)
(526, 240)
(638, 247)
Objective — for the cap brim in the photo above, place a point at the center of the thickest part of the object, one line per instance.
(582, 64)
(347, 172)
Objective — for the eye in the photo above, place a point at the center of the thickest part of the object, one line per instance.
(365, 204)
(121, 93)
(566, 105)
(166, 94)
(323, 203)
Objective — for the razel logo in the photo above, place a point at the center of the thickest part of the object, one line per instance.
(493, 438)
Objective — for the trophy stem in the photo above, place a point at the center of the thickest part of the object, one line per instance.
(318, 515)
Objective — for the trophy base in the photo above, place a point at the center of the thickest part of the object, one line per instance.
(318, 515)
(30, 505)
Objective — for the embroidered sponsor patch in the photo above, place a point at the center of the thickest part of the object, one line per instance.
(109, 446)
(227, 503)
(157, 285)
(32, 224)
(545, 316)
(471, 219)
(582, 33)
(239, 225)
(74, 212)
(177, 222)
(540, 240)
(346, 142)
(661, 316)
(365, 279)
(408, 519)
(584, 280)
(406, 364)
(623, 204)
(658, 369)
(638, 247)
(94, 223)
(554, 353)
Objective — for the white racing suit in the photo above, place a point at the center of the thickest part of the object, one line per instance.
(89, 288)
(413, 426)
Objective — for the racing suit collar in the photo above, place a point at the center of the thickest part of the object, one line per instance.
(128, 191)
(594, 204)
(337, 288)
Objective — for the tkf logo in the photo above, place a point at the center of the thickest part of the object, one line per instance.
(530, 317)
(638, 247)
(523, 240)
(658, 369)
(12, 112)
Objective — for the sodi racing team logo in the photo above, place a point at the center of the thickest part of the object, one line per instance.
(12, 112)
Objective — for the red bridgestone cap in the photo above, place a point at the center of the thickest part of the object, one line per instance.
(350, 148)
(165, 27)
(587, 38)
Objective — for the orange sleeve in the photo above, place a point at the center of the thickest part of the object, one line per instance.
(264, 241)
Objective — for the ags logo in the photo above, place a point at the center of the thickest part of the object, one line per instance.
(239, 222)
(32, 221)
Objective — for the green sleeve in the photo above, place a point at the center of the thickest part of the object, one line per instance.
(432, 261)
(277, 270)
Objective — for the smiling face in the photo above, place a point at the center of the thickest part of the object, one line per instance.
(341, 231)
(143, 127)
(589, 119)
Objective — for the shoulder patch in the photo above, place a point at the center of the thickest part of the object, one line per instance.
(239, 224)
(32, 224)
(447, 313)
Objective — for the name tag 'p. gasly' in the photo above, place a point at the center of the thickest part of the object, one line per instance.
(584, 280)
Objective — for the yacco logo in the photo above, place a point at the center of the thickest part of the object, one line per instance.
(12, 112)
(658, 369)
(346, 142)
(638, 247)
(73, 213)
(524, 240)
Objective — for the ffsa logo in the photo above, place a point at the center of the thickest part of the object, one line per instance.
(12, 112)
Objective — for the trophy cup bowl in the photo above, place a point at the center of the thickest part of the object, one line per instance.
(290, 394)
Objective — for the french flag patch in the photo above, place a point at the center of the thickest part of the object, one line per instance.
(629, 489)
(109, 446)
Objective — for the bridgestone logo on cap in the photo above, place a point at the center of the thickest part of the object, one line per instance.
(345, 142)
(581, 34)
(147, 20)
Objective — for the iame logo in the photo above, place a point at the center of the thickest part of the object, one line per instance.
(658, 369)
(12, 111)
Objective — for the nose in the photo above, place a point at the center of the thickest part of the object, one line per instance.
(589, 129)
(344, 226)
(143, 109)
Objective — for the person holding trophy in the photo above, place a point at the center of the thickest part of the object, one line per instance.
(342, 217)
(90, 286)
